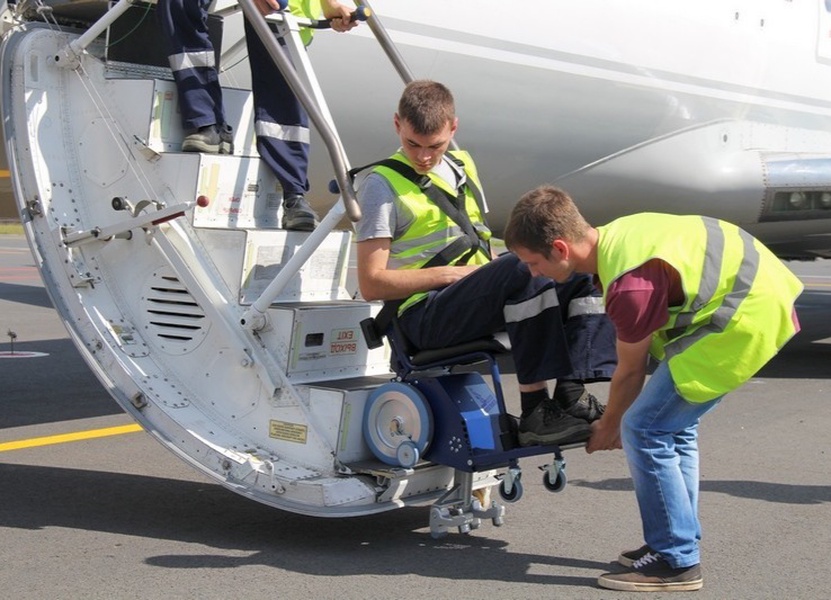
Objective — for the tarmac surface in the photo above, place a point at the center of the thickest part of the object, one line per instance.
(121, 517)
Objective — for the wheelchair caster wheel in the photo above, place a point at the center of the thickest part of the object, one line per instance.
(511, 496)
(559, 482)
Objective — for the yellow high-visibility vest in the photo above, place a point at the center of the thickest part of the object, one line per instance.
(739, 297)
(431, 230)
(312, 9)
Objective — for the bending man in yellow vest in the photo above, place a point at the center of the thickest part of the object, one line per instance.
(700, 295)
(423, 244)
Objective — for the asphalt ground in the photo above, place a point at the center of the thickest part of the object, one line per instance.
(119, 516)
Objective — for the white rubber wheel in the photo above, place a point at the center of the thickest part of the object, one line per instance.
(407, 454)
(395, 414)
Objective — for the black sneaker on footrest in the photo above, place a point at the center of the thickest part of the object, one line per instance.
(587, 407)
(548, 424)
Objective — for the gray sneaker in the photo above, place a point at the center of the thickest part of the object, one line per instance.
(548, 424)
(209, 140)
(628, 558)
(587, 407)
(651, 573)
(298, 215)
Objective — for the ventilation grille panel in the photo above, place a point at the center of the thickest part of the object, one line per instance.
(174, 321)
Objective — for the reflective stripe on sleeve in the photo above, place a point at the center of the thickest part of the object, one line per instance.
(588, 305)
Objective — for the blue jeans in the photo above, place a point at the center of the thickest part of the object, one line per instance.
(660, 439)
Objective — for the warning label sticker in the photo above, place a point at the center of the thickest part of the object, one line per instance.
(288, 432)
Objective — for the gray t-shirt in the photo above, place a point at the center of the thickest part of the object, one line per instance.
(379, 217)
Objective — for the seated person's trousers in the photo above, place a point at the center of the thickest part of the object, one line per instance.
(557, 331)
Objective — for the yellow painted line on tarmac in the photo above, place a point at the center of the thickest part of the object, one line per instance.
(69, 437)
(4, 173)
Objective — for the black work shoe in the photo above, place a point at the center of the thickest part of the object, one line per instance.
(587, 407)
(298, 215)
(651, 573)
(628, 558)
(209, 140)
(548, 424)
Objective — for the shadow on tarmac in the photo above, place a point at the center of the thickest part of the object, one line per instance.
(394, 542)
(33, 295)
(752, 490)
(52, 388)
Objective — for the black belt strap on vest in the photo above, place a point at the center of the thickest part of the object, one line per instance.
(453, 207)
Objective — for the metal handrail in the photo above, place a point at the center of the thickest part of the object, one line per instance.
(390, 49)
(330, 138)
(255, 317)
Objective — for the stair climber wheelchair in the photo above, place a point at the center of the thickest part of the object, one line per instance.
(440, 409)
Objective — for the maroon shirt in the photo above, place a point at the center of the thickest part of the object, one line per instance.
(638, 301)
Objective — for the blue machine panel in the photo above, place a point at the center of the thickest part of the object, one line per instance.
(466, 418)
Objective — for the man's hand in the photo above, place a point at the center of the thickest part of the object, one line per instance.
(339, 15)
(266, 7)
(627, 383)
(605, 436)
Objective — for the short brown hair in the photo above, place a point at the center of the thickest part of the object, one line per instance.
(541, 216)
(427, 106)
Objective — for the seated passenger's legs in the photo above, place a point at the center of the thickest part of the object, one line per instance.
(500, 296)
(503, 295)
(591, 343)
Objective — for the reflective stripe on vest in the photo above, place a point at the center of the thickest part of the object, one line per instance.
(713, 258)
(738, 297)
(431, 230)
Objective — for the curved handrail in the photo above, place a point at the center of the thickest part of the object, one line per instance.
(328, 135)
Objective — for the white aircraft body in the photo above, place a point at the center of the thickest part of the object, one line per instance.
(700, 107)
(237, 344)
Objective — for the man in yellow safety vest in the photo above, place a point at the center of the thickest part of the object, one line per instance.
(700, 295)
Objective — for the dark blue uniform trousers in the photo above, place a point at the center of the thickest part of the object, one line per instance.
(184, 24)
(503, 296)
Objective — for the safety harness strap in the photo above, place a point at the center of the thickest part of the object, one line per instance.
(452, 207)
